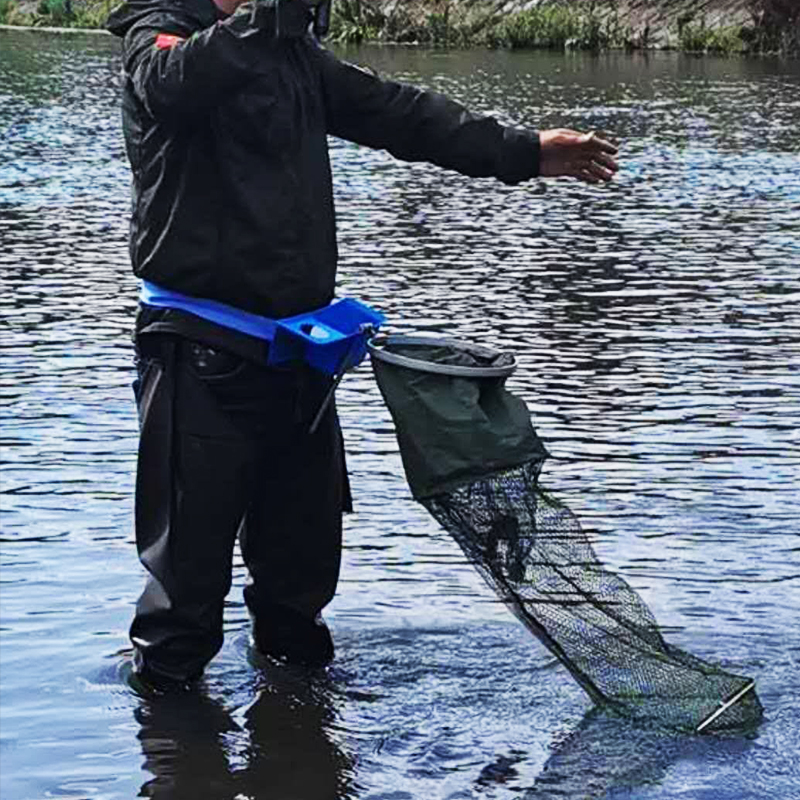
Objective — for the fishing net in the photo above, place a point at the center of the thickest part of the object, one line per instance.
(473, 459)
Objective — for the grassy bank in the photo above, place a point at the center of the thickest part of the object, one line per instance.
(470, 24)
(773, 27)
(56, 13)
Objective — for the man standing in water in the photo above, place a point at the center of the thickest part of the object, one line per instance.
(226, 110)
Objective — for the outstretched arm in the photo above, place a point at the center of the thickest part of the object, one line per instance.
(416, 125)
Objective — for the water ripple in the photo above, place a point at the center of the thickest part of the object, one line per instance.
(657, 331)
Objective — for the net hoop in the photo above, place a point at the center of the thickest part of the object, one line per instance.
(377, 345)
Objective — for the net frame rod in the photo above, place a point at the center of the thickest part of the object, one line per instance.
(377, 344)
(725, 706)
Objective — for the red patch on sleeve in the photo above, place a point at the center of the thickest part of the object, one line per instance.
(166, 40)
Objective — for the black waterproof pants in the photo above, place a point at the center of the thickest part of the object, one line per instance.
(225, 450)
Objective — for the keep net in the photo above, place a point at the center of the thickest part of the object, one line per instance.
(473, 460)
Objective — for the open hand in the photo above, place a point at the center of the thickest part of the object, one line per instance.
(578, 155)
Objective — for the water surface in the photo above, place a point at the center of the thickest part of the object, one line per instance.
(657, 328)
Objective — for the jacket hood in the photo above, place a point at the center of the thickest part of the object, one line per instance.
(123, 17)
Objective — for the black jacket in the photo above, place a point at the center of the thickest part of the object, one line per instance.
(226, 124)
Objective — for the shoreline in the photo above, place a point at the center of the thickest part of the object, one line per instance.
(48, 29)
(558, 25)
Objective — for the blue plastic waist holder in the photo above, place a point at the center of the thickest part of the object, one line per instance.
(332, 339)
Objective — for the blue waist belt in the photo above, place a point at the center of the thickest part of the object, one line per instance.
(219, 313)
(331, 339)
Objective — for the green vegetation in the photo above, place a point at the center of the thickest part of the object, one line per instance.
(562, 27)
(776, 27)
(56, 13)
(93, 13)
(9, 13)
(354, 22)
(580, 24)
(430, 22)
(461, 24)
(701, 39)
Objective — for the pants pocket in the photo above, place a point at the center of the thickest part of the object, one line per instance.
(211, 363)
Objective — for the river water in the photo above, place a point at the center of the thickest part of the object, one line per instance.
(657, 327)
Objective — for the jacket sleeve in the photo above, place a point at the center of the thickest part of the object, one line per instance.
(416, 125)
(197, 68)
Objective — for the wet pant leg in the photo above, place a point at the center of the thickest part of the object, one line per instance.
(291, 537)
(222, 443)
(196, 467)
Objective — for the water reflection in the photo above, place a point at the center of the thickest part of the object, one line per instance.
(281, 745)
(657, 330)
(606, 756)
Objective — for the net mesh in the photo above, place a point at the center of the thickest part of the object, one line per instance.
(531, 549)
(472, 457)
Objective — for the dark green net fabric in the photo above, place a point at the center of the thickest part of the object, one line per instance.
(532, 551)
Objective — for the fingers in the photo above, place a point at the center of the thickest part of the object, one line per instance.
(592, 171)
(606, 161)
(602, 170)
(596, 144)
(593, 174)
(584, 156)
(599, 162)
